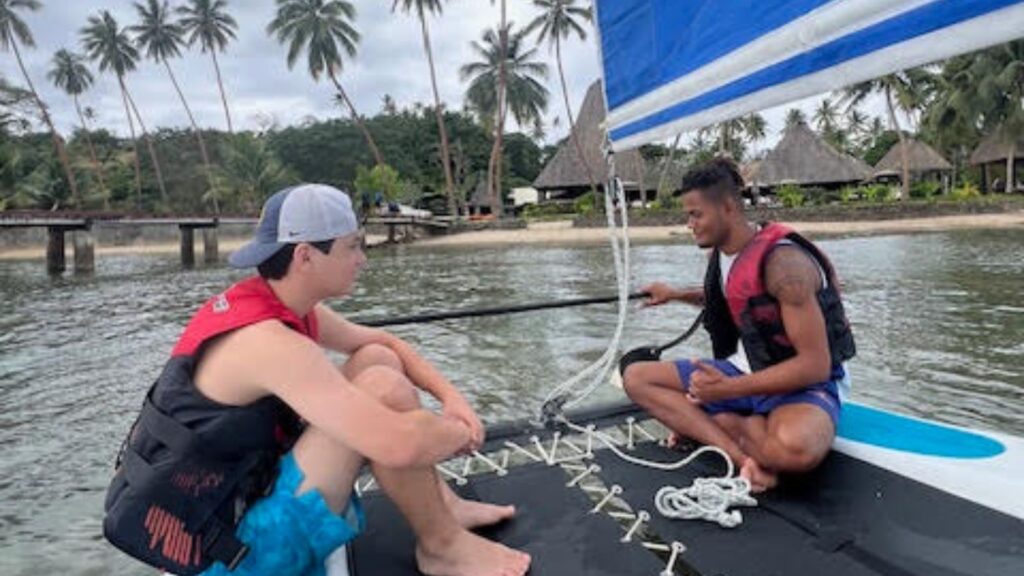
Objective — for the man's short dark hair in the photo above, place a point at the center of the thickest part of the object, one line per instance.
(717, 180)
(275, 267)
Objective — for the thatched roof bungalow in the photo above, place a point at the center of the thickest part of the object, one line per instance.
(922, 160)
(805, 159)
(994, 150)
(565, 176)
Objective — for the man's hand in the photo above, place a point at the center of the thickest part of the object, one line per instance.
(660, 293)
(709, 384)
(458, 409)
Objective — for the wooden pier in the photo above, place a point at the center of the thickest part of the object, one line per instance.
(84, 241)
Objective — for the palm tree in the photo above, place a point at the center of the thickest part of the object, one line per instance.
(207, 22)
(795, 116)
(527, 97)
(494, 166)
(951, 117)
(558, 20)
(732, 133)
(903, 89)
(162, 40)
(250, 173)
(13, 30)
(69, 73)
(856, 121)
(826, 117)
(1000, 93)
(109, 45)
(422, 7)
(318, 27)
(14, 104)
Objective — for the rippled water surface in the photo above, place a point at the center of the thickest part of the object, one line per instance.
(939, 321)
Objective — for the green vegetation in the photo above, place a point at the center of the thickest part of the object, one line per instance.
(424, 151)
(791, 196)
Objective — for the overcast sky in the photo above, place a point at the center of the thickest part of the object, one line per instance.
(260, 86)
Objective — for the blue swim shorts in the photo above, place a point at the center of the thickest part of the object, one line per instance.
(824, 395)
(291, 535)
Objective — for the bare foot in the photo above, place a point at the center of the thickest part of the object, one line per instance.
(467, 554)
(673, 440)
(760, 479)
(470, 514)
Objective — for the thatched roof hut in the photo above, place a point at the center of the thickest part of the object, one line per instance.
(921, 157)
(565, 172)
(994, 149)
(803, 158)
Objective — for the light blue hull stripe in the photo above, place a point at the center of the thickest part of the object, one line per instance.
(888, 430)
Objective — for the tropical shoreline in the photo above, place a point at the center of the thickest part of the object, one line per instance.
(563, 232)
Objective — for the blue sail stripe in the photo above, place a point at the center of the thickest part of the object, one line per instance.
(643, 37)
(909, 25)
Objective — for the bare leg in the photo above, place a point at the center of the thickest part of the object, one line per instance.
(656, 386)
(793, 438)
(444, 547)
(468, 513)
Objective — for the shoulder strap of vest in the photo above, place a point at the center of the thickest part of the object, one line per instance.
(247, 302)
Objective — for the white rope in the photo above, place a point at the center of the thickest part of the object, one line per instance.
(619, 240)
(706, 499)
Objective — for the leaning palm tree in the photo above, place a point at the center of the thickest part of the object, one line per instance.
(902, 89)
(422, 7)
(13, 30)
(207, 22)
(527, 98)
(162, 39)
(318, 27)
(108, 44)
(557, 21)
(69, 73)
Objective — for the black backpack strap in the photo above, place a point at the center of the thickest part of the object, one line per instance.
(167, 430)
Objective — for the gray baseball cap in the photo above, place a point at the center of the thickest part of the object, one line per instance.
(303, 213)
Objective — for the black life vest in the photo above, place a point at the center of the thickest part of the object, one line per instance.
(746, 312)
(190, 467)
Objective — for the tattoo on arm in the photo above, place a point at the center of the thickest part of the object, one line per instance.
(792, 276)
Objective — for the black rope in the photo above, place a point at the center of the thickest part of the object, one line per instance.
(685, 335)
(653, 353)
(495, 311)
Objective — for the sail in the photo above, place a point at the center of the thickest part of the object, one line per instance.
(676, 65)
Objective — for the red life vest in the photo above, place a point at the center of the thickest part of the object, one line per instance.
(747, 312)
(191, 466)
(247, 302)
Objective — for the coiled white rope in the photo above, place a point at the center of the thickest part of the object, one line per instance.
(706, 499)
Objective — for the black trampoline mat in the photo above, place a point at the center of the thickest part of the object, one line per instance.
(553, 524)
(845, 518)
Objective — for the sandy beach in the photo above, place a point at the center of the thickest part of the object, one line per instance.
(562, 232)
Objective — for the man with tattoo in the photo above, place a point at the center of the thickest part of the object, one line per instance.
(770, 397)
